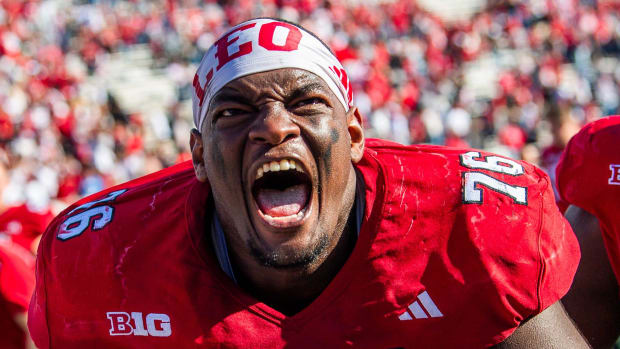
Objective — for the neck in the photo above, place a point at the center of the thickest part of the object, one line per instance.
(291, 290)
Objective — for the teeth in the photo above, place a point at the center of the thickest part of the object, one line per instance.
(286, 219)
(274, 166)
(284, 165)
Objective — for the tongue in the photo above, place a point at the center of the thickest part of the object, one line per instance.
(281, 203)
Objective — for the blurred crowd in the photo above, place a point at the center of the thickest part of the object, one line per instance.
(519, 78)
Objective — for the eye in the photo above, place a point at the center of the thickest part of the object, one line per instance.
(229, 112)
(314, 101)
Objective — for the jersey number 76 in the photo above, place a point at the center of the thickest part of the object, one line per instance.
(473, 181)
(93, 214)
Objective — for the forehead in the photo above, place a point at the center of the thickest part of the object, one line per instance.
(279, 81)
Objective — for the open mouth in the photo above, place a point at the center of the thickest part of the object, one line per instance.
(281, 190)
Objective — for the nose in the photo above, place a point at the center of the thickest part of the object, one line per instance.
(273, 126)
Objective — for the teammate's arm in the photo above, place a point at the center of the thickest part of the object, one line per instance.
(550, 329)
(593, 300)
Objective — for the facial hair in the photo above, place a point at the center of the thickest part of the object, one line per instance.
(283, 259)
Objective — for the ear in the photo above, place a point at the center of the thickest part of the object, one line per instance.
(195, 144)
(356, 133)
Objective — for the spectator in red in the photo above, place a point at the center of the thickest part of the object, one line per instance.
(23, 224)
(563, 127)
(16, 286)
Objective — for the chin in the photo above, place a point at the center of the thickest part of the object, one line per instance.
(290, 255)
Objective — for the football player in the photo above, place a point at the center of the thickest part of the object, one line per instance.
(290, 229)
(588, 177)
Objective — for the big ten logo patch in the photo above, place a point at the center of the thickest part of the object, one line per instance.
(124, 324)
(615, 174)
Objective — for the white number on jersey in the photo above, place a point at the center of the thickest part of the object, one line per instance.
(100, 216)
(473, 181)
(492, 163)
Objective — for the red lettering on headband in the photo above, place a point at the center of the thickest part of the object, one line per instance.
(200, 92)
(266, 35)
(267, 30)
(223, 43)
(344, 79)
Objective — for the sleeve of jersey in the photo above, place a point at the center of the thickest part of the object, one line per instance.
(570, 172)
(529, 253)
(37, 312)
(532, 259)
(558, 251)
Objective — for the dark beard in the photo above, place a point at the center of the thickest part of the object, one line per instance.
(279, 259)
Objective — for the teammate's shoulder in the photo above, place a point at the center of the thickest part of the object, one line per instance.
(598, 136)
(603, 124)
(589, 167)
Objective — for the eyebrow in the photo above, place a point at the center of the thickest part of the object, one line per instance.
(306, 90)
(227, 94)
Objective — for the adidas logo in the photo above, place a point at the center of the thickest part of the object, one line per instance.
(417, 309)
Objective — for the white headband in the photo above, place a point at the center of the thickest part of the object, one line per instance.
(260, 45)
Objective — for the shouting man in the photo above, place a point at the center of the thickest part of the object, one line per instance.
(289, 229)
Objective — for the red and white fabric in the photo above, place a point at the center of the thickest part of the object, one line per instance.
(260, 45)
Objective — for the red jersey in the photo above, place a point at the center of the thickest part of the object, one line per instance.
(588, 176)
(456, 249)
(16, 286)
(24, 224)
